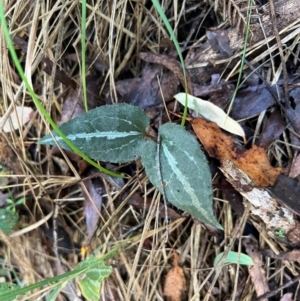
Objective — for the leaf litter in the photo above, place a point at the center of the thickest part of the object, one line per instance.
(145, 92)
(142, 269)
(175, 282)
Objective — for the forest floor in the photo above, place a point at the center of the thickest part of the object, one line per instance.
(58, 208)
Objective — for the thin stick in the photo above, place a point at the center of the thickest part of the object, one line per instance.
(279, 44)
(158, 166)
(277, 290)
(55, 238)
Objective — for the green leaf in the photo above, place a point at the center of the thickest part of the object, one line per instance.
(185, 173)
(8, 287)
(234, 257)
(113, 133)
(8, 219)
(91, 282)
(60, 280)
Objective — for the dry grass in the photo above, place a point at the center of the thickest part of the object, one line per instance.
(116, 31)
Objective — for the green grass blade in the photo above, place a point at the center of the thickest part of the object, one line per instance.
(38, 103)
(59, 280)
(174, 39)
(83, 48)
(243, 57)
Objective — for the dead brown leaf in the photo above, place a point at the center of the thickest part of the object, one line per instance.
(73, 106)
(293, 113)
(175, 283)
(218, 93)
(272, 129)
(219, 41)
(256, 271)
(60, 75)
(145, 92)
(295, 169)
(170, 63)
(254, 162)
(138, 202)
(286, 191)
(252, 101)
(234, 198)
(8, 157)
(92, 205)
(99, 63)
(288, 256)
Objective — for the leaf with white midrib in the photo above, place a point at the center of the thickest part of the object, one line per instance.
(112, 133)
(185, 172)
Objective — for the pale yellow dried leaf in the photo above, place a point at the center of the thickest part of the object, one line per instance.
(287, 297)
(19, 117)
(211, 112)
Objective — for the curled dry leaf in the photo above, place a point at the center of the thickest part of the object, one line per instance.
(254, 162)
(19, 117)
(175, 283)
(211, 112)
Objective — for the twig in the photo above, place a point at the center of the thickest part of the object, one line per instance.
(277, 290)
(55, 238)
(279, 44)
(158, 166)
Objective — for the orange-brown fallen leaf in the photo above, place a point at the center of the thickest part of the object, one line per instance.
(254, 162)
(251, 174)
(175, 283)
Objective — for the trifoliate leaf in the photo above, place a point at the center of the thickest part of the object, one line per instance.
(90, 282)
(111, 133)
(234, 257)
(212, 113)
(185, 172)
